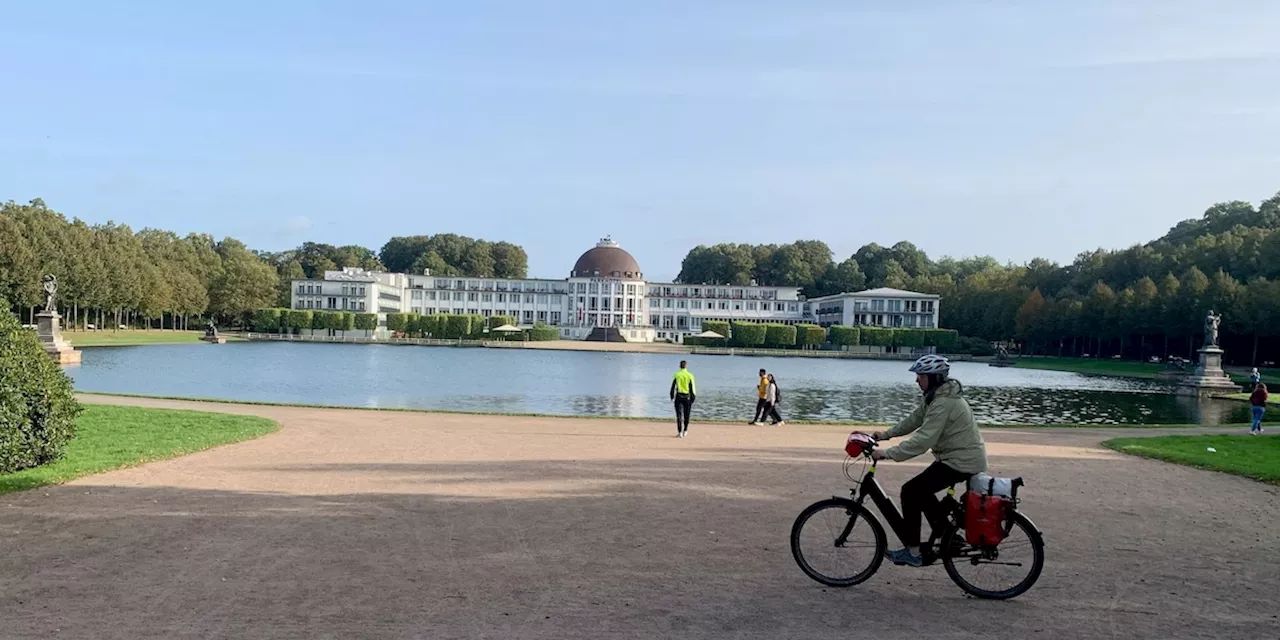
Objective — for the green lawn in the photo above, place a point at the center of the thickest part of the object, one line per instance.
(110, 437)
(133, 337)
(1256, 457)
(1126, 368)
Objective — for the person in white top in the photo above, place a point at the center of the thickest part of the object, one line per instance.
(772, 398)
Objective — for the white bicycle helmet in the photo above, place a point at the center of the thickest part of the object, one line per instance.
(932, 364)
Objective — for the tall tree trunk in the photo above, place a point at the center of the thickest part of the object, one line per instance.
(1253, 362)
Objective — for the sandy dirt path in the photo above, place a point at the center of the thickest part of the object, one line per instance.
(363, 524)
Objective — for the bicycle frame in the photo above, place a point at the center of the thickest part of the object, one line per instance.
(869, 487)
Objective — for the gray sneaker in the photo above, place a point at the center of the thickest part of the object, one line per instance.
(902, 557)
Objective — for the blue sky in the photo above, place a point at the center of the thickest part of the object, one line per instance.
(1016, 129)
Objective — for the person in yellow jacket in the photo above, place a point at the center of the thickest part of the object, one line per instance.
(944, 424)
(683, 393)
(762, 399)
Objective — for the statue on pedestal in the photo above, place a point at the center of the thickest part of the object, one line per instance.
(210, 331)
(50, 292)
(1211, 323)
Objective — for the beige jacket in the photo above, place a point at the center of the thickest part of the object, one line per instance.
(947, 427)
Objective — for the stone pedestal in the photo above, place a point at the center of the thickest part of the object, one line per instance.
(214, 339)
(49, 329)
(1209, 379)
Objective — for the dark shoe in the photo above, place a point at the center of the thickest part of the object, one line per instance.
(902, 557)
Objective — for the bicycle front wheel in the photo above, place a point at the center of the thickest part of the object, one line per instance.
(837, 542)
(1001, 572)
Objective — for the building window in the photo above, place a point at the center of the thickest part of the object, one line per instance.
(654, 303)
(604, 303)
(555, 318)
(457, 312)
(333, 303)
(473, 311)
(780, 307)
(631, 289)
(751, 306)
(653, 319)
(724, 306)
(528, 317)
(302, 289)
(502, 297)
(472, 297)
(667, 303)
(877, 305)
(457, 295)
(542, 298)
(488, 297)
(362, 305)
(542, 316)
(793, 307)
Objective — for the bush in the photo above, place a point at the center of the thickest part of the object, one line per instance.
(810, 335)
(498, 321)
(455, 327)
(266, 320)
(542, 333)
(843, 336)
(973, 347)
(38, 409)
(695, 341)
(943, 339)
(299, 319)
(747, 334)
(908, 338)
(430, 326)
(413, 324)
(477, 326)
(779, 336)
(877, 336)
(396, 322)
(366, 321)
(347, 322)
(717, 326)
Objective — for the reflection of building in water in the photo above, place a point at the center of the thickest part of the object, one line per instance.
(605, 297)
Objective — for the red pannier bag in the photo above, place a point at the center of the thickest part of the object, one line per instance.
(984, 517)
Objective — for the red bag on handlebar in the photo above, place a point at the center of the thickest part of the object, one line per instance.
(984, 518)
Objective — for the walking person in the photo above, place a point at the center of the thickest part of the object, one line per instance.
(762, 403)
(683, 393)
(1259, 401)
(1255, 377)
(774, 396)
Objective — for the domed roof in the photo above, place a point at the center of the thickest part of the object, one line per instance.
(606, 260)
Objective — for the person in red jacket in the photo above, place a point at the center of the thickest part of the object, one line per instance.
(1259, 401)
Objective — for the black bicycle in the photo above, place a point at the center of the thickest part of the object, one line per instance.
(840, 544)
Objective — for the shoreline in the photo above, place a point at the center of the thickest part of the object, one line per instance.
(719, 422)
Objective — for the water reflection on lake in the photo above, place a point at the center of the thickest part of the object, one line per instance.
(614, 384)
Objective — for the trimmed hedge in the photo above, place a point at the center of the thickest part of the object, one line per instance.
(396, 322)
(695, 341)
(908, 338)
(810, 335)
(299, 319)
(267, 320)
(843, 336)
(476, 329)
(366, 321)
(38, 409)
(747, 334)
(779, 336)
(877, 336)
(455, 327)
(542, 333)
(717, 326)
(348, 322)
(943, 339)
(498, 321)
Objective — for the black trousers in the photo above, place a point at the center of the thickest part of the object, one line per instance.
(919, 496)
(772, 413)
(684, 405)
(762, 408)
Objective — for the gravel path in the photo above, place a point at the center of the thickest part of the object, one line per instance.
(363, 524)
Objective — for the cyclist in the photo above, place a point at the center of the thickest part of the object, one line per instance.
(943, 423)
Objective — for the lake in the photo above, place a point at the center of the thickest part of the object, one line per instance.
(615, 384)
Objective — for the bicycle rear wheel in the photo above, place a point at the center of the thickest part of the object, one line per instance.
(997, 573)
(837, 542)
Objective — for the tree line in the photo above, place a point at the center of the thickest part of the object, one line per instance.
(109, 275)
(1146, 300)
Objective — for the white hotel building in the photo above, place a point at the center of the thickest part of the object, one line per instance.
(605, 297)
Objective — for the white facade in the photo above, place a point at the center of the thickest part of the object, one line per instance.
(882, 307)
(619, 298)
